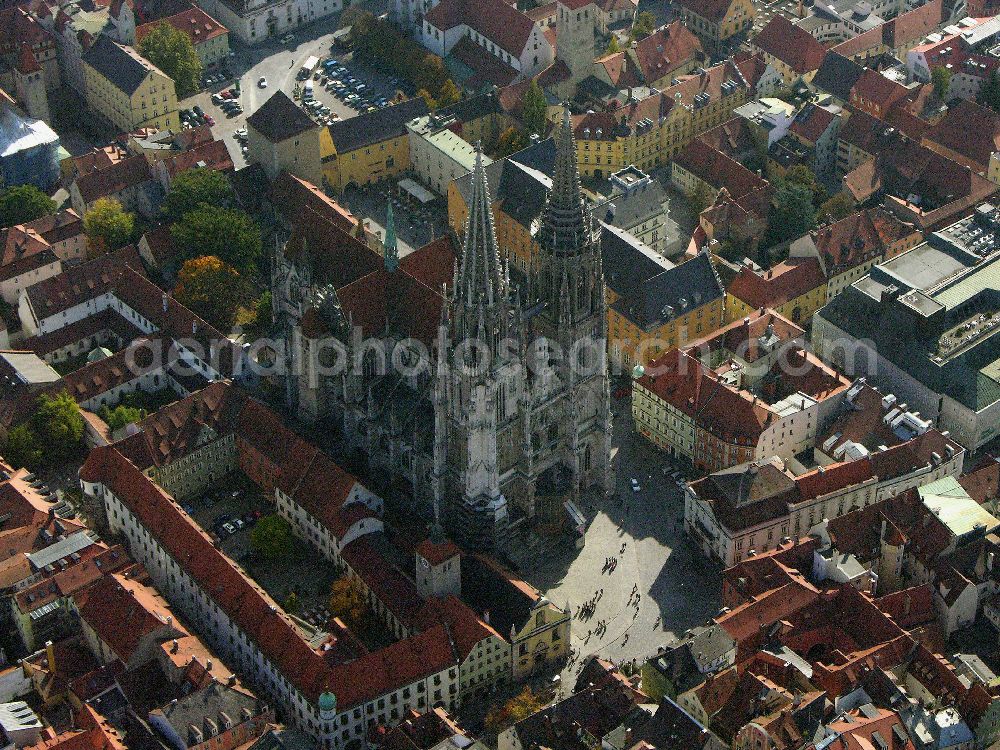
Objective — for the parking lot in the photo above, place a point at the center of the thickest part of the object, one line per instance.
(278, 62)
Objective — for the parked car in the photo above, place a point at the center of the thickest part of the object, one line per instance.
(229, 529)
(209, 120)
(262, 82)
(635, 484)
(217, 99)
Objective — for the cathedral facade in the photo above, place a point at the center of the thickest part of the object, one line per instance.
(488, 403)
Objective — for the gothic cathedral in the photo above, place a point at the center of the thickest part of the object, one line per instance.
(508, 420)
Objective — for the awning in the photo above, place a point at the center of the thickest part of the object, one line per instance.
(417, 190)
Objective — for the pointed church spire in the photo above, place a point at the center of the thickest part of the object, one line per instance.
(391, 244)
(564, 220)
(481, 278)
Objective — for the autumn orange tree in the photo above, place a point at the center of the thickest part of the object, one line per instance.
(213, 289)
(347, 601)
(518, 708)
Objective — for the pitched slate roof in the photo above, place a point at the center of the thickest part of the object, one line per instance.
(837, 75)
(279, 119)
(125, 68)
(375, 127)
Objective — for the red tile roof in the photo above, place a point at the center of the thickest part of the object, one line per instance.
(970, 131)
(791, 44)
(252, 610)
(116, 178)
(784, 282)
(718, 170)
(498, 21)
(194, 22)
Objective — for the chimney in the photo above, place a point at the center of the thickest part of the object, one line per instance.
(174, 646)
(194, 327)
(907, 602)
(50, 656)
(164, 302)
(208, 665)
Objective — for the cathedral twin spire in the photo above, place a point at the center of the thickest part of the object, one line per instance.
(481, 278)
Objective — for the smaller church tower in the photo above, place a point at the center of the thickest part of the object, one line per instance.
(29, 82)
(438, 568)
(575, 23)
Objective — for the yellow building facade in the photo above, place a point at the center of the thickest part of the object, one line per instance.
(737, 17)
(650, 132)
(128, 90)
(370, 147)
(631, 344)
(365, 165)
(798, 309)
(542, 641)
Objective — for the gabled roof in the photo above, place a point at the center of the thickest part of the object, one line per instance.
(969, 130)
(279, 119)
(711, 10)
(194, 22)
(837, 75)
(375, 127)
(782, 283)
(120, 176)
(125, 68)
(791, 44)
(499, 21)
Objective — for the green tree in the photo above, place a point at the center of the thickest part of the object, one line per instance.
(172, 51)
(533, 109)
(121, 415)
(108, 226)
(58, 426)
(644, 25)
(23, 203)
(449, 94)
(802, 175)
(613, 46)
(792, 215)
(702, 197)
(840, 206)
(989, 93)
(263, 315)
(430, 74)
(511, 141)
(195, 188)
(21, 448)
(231, 235)
(292, 604)
(428, 99)
(211, 288)
(271, 538)
(941, 80)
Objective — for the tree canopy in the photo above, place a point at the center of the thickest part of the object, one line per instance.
(231, 235)
(347, 601)
(840, 206)
(172, 51)
(518, 708)
(511, 140)
(645, 24)
(533, 109)
(211, 288)
(108, 226)
(194, 188)
(121, 415)
(792, 215)
(613, 46)
(23, 203)
(989, 93)
(941, 79)
(21, 448)
(271, 538)
(58, 426)
(802, 175)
